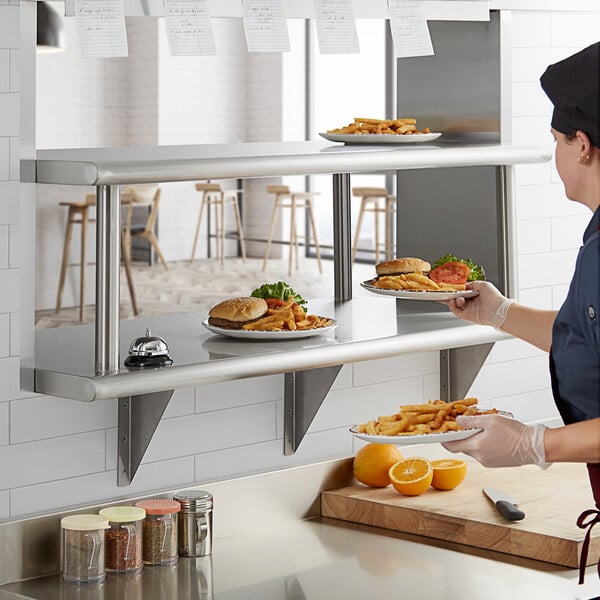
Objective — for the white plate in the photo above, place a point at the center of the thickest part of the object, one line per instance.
(381, 138)
(242, 334)
(423, 438)
(419, 295)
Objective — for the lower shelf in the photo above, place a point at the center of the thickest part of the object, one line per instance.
(371, 328)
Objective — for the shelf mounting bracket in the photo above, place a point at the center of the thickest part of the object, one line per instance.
(138, 419)
(304, 392)
(458, 369)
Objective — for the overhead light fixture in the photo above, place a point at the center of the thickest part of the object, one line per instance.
(50, 29)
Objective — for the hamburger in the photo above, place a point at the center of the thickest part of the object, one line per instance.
(237, 312)
(399, 266)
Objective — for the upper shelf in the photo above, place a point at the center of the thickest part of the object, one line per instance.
(370, 328)
(159, 164)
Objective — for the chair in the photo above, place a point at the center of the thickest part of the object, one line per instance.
(371, 202)
(284, 198)
(214, 195)
(144, 231)
(78, 214)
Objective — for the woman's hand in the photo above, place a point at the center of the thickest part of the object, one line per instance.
(503, 442)
(487, 308)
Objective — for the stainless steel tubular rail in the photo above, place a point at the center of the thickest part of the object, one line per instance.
(342, 235)
(108, 263)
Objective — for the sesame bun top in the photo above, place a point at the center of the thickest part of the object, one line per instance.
(402, 265)
(239, 310)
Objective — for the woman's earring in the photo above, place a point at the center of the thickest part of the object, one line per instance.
(583, 159)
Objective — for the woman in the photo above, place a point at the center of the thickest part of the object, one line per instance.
(571, 335)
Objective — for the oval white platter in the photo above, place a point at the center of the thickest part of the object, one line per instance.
(417, 294)
(382, 138)
(424, 438)
(242, 334)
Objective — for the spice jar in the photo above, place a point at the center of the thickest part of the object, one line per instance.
(83, 547)
(194, 522)
(159, 531)
(123, 538)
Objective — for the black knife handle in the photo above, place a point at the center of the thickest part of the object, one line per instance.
(509, 511)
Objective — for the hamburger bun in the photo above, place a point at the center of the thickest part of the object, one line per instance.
(235, 312)
(402, 265)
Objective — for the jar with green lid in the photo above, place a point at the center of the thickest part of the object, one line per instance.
(124, 538)
(83, 547)
(160, 531)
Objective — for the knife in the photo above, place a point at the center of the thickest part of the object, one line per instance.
(504, 504)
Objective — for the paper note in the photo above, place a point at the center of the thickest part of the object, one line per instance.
(336, 27)
(265, 26)
(410, 32)
(189, 28)
(102, 31)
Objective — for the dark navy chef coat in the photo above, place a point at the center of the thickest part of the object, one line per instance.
(575, 355)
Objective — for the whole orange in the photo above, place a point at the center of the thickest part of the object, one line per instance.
(372, 463)
(448, 473)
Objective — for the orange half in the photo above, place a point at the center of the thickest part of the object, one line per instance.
(411, 476)
(448, 473)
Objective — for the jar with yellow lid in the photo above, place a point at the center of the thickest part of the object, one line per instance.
(123, 538)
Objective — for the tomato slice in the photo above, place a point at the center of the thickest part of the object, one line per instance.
(455, 272)
(276, 303)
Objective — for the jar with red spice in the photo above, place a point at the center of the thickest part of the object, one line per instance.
(123, 538)
(160, 531)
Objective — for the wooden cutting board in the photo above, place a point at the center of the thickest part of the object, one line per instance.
(552, 500)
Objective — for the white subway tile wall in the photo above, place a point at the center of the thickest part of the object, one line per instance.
(4, 505)
(57, 453)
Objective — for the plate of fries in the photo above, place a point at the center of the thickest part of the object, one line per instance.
(415, 286)
(382, 138)
(318, 326)
(380, 131)
(433, 421)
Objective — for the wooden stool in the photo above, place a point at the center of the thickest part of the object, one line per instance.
(78, 215)
(370, 202)
(213, 195)
(144, 231)
(292, 200)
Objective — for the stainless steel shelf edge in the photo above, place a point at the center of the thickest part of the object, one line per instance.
(120, 166)
(87, 173)
(180, 376)
(64, 385)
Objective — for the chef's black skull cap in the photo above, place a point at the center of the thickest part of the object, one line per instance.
(573, 86)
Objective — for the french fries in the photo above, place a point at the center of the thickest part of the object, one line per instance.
(362, 126)
(414, 281)
(435, 416)
(288, 317)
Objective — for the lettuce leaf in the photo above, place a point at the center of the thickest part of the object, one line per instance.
(279, 290)
(477, 272)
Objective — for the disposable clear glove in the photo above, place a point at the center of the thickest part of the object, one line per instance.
(503, 442)
(490, 307)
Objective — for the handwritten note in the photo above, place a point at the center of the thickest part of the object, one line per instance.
(336, 27)
(102, 31)
(410, 32)
(265, 26)
(189, 29)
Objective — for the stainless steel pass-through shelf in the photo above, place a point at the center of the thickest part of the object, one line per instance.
(95, 370)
